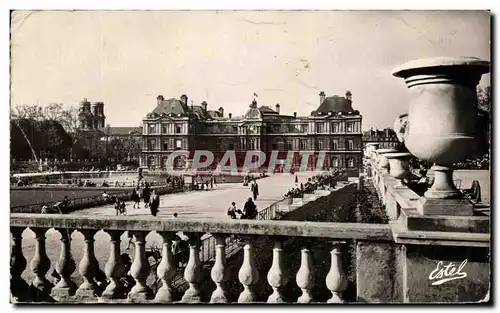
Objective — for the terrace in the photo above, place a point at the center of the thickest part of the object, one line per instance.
(434, 249)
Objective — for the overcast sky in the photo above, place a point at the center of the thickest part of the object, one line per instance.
(127, 58)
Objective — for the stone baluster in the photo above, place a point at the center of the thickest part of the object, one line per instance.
(140, 269)
(166, 269)
(65, 266)
(305, 276)
(336, 280)
(248, 274)
(88, 266)
(192, 272)
(276, 275)
(219, 273)
(40, 264)
(114, 268)
(18, 264)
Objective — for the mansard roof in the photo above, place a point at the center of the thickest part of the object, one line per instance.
(335, 105)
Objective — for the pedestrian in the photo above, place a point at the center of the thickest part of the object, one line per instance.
(231, 212)
(249, 210)
(154, 203)
(44, 209)
(211, 183)
(146, 195)
(135, 197)
(255, 190)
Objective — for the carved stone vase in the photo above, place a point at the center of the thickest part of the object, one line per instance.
(382, 162)
(399, 166)
(442, 114)
(370, 149)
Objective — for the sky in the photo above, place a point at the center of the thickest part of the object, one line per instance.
(127, 58)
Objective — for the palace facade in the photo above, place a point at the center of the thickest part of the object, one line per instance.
(386, 138)
(334, 128)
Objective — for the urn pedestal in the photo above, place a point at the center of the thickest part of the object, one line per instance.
(442, 116)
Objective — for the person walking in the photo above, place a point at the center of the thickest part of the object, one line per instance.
(249, 210)
(154, 203)
(146, 195)
(135, 197)
(255, 190)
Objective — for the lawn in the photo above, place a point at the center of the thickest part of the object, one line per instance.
(20, 197)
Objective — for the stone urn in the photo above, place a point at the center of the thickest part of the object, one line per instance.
(442, 114)
(382, 162)
(370, 149)
(399, 166)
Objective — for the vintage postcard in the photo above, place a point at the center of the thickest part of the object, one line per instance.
(250, 157)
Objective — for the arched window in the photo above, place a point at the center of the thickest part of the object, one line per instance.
(164, 163)
(350, 162)
(335, 162)
(151, 162)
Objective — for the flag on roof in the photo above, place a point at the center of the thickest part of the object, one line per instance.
(255, 95)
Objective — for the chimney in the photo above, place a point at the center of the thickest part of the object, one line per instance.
(348, 95)
(221, 111)
(294, 114)
(322, 97)
(159, 99)
(230, 115)
(278, 108)
(204, 105)
(184, 99)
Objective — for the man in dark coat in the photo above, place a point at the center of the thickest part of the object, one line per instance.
(146, 195)
(255, 190)
(154, 204)
(249, 210)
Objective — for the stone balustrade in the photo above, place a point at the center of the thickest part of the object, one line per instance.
(66, 291)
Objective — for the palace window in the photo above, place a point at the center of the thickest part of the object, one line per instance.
(164, 145)
(350, 162)
(320, 128)
(349, 127)
(152, 128)
(289, 145)
(303, 145)
(178, 129)
(164, 128)
(335, 145)
(335, 162)
(336, 127)
(320, 145)
(178, 144)
(274, 146)
(231, 146)
(350, 145)
(152, 144)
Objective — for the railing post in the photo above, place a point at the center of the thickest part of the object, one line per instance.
(248, 274)
(305, 276)
(276, 276)
(336, 280)
(40, 264)
(140, 269)
(18, 286)
(114, 268)
(192, 272)
(88, 266)
(65, 266)
(219, 274)
(166, 269)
